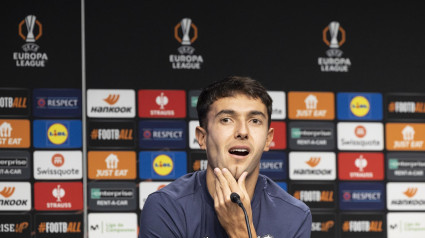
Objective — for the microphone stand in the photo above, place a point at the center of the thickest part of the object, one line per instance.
(236, 199)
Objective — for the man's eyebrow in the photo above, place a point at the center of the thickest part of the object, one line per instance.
(257, 113)
(228, 112)
(232, 112)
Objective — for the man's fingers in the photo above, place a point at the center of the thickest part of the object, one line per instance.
(241, 182)
(231, 181)
(224, 184)
(219, 194)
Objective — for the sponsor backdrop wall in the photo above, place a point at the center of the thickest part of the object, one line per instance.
(346, 79)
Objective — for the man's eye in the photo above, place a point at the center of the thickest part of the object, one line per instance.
(257, 121)
(225, 120)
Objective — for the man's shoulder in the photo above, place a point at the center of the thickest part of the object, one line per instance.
(184, 186)
(282, 198)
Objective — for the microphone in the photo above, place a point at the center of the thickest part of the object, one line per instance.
(236, 199)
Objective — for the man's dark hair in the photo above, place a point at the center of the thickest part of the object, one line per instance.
(229, 87)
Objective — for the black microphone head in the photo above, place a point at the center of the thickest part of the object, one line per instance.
(235, 197)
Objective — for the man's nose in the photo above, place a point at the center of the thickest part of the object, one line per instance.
(241, 131)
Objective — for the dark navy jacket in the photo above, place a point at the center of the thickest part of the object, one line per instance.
(185, 209)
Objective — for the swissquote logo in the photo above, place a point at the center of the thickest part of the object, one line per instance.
(162, 103)
(112, 165)
(30, 30)
(360, 136)
(15, 196)
(186, 33)
(312, 166)
(334, 36)
(58, 196)
(409, 136)
(63, 165)
(361, 166)
(111, 103)
(406, 196)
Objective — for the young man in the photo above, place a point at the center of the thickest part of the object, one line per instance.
(234, 116)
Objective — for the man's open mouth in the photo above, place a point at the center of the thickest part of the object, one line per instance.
(239, 151)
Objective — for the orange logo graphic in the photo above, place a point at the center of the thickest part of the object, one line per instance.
(185, 32)
(30, 21)
(327, 225)
(403, 136)
(14, 133)
(20, 227)
(311, 105)
(313, 161)
(58, 160)
(411, 192)
(112, 99)
(112, 165)
(325, 36)
(360, 131)
(7, 191)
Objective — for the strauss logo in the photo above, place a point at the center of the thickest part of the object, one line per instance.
(58, 193)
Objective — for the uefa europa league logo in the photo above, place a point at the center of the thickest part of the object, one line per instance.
(30, 22)
(186, 25)
(334, 28)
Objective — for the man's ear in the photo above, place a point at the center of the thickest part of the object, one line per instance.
(269, 139)
(201, 137)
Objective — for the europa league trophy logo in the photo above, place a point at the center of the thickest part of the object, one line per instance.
(30, 22)
(186, 25)
(334, 28)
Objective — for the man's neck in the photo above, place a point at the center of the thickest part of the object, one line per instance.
(250, 182)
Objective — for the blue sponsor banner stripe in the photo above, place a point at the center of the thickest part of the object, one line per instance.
(274, 165)
(158, 134)
(57, 102)
(50, 134)
(349, 109)
(361, 196)
(162, 165)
